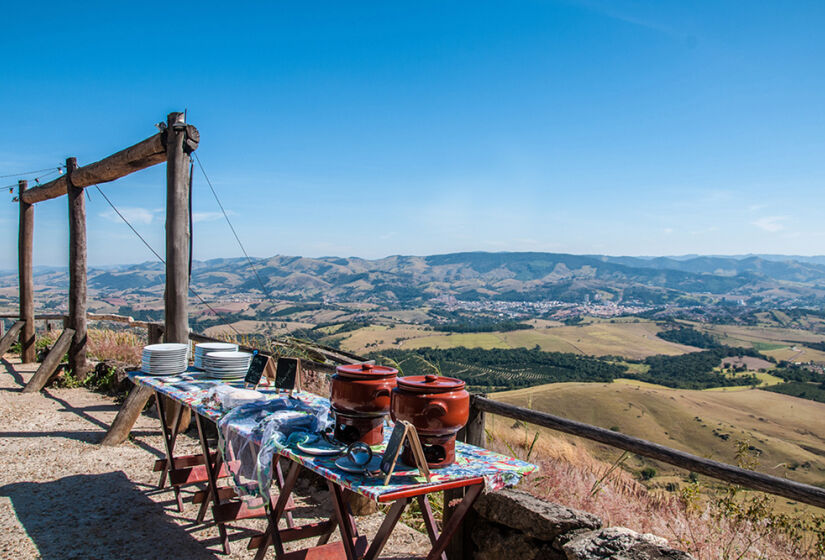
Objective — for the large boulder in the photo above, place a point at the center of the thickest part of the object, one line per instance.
(496, 542)
(618, 543)
(534, 517)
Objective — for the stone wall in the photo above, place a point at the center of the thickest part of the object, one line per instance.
(515, 524)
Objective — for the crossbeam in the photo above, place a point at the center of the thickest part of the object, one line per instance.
(144, 154)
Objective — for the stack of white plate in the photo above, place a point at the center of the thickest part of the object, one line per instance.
(164, 359)
(226, 365)
(204, 348)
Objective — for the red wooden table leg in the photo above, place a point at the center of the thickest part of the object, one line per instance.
(345, 522)
(279, 478)
(455, 520)
(386, 528)
(273, 534)
(212, 480)
(169, 443)
(429, 520)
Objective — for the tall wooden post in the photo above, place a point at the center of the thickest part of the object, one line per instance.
(177, 231)
(77, 273)
(25, 245)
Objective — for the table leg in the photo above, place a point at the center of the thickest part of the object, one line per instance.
(212, 480)
(386, 528)
(174, 436)
(279, 478)
(205, 503)
(345, 522)
(169, 443)
(455, 521)
(273, 534)
(429, 521)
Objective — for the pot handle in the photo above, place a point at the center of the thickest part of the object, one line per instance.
(381, 393)
(435, 409)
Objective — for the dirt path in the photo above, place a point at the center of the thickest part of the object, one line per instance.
(63, 496)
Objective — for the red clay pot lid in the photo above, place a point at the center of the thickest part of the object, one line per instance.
(430, 383)
(367, 371)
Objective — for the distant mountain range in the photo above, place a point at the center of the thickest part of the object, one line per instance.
(754, 279)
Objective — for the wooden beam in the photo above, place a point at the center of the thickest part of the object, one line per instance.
(128, 415)
(750, 479)
(25, 246)
(176, 298)
(46, 370)
(8, 338)
(77, 273)
(144, 154)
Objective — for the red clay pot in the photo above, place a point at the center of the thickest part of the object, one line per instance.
(435, 405)
(362, 389)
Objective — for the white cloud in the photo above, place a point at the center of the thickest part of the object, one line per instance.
(206, 216)
(668, 231)
(770, 223)
(133, 214)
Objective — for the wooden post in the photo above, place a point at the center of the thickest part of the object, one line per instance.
(8, 338)
(77, 273)
(46, 370)
(128, 415)
(461, 546)
(25, 245)
(475, 425)
(154, 334)
(177, 231)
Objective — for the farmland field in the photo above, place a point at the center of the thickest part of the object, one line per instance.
(790, 432)
(633, 340)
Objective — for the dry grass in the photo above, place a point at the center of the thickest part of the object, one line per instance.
(571, 476)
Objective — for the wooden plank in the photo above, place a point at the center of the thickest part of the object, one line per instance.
(144, 154)
(11, 334)
(193, 475)
(49, 365)
(295, 534)
(127, 415)
(181, 461)
(77, 273)
(176, 312)
(757, 481)
(331, 551)
(225, 493)
(237, 510)
(26, 278)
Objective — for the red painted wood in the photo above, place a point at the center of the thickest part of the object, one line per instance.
(193, 475)
(331, 551)
(181, 462)
(201, 496)
(232, 511)
(392, 496)
(295, 534)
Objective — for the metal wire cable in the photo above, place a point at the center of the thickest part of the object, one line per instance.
(29, 172)
(162, 260)
(235, 233)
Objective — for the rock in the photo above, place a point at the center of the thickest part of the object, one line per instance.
(535, 517)
(618, 543)
(496, 542)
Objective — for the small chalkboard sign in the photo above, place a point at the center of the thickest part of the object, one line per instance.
(286, 373)
(402, 434)
(255, 371)
(393, 450)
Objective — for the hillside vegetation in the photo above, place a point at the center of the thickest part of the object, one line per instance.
(789, 433)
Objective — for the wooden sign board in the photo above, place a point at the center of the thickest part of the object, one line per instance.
(255, 371)
(403, 433)
(286, 373)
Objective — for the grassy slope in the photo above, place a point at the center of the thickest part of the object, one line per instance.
(777, 424)
(599, 338)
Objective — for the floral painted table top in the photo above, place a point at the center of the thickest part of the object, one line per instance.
(472, 463)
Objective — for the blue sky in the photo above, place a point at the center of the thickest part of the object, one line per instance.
(377, 128)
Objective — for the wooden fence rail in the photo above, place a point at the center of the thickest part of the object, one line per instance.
(757, 481)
